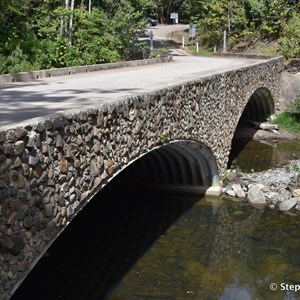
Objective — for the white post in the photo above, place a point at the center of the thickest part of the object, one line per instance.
(197, 47)
(151, 41)
(183, 42)
(224, 41)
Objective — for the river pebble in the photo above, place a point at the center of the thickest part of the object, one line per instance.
(278, 187)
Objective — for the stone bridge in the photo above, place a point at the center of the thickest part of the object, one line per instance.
(178, 135)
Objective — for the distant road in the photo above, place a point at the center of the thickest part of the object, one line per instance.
(25, 100)
(162, 32)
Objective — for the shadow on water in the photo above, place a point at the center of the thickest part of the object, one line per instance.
(101, 244)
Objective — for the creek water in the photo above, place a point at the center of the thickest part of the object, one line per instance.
(128, 245)
(258, 156)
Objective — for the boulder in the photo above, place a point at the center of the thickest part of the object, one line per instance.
(238, 190)
(288, 204)
(255, 195)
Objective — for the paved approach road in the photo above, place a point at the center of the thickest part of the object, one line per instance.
(21, 101)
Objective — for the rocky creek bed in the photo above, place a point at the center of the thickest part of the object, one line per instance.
(278, 188)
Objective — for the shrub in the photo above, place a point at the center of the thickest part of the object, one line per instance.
(294, 106)
(18, 62)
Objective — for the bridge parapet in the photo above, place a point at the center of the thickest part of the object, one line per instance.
(30, 76)
(51, 168)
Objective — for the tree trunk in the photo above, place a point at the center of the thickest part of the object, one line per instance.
(64, 20)
(65, 31)
(90, 6)
(265, 126)
(71, 22)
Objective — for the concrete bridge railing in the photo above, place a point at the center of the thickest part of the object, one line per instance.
(50, 169)
(29, 76)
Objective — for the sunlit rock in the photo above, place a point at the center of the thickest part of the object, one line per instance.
(288, 204)
(255, 195)
(238, 190)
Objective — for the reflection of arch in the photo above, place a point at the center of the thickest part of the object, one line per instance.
(259, 107)
(179, 165)
(256, 155)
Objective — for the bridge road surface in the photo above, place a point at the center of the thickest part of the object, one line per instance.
(21, 101)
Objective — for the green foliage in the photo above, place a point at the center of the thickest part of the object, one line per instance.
(217, 16)
(37, 34)
(226, 178)
(163, 137)
(288, 121)
(294, 106)
(158, 53)
(40, 32)
(147, 7)
(295, 168)
(93, 41)
(201, 51)
(16, 62)
(125, 24)
(290, 40)
(248, 20)
(212, 26)
(13, 25)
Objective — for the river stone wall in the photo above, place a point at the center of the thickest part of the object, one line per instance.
(50, 169)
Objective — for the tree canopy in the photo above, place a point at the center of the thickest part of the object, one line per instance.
(57, 33)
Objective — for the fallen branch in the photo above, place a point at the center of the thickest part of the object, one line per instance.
(265, 126)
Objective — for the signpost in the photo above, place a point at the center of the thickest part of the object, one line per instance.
(174, 17)
(192, 31)
(224, 41)
(151, 41)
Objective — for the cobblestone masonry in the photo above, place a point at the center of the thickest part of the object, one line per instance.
(49, 170)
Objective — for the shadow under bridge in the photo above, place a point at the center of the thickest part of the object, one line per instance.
(180, 166)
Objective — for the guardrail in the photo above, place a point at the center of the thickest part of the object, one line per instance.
(30, 76)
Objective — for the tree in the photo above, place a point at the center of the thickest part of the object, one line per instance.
(290, 40)
(93, 39)
(13, 24)
(125, 23)
(148, 8)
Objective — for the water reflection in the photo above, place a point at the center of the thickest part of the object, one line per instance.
(262, 155)
(128, 246)
(235, 254)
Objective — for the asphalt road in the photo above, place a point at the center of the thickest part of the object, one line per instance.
(22, 101)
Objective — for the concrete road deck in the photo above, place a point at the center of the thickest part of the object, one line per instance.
(25, 100)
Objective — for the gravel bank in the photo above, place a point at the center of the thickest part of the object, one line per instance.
(278, 188)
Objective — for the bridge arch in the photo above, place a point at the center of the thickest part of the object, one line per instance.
(182, 165)
(259, 106)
